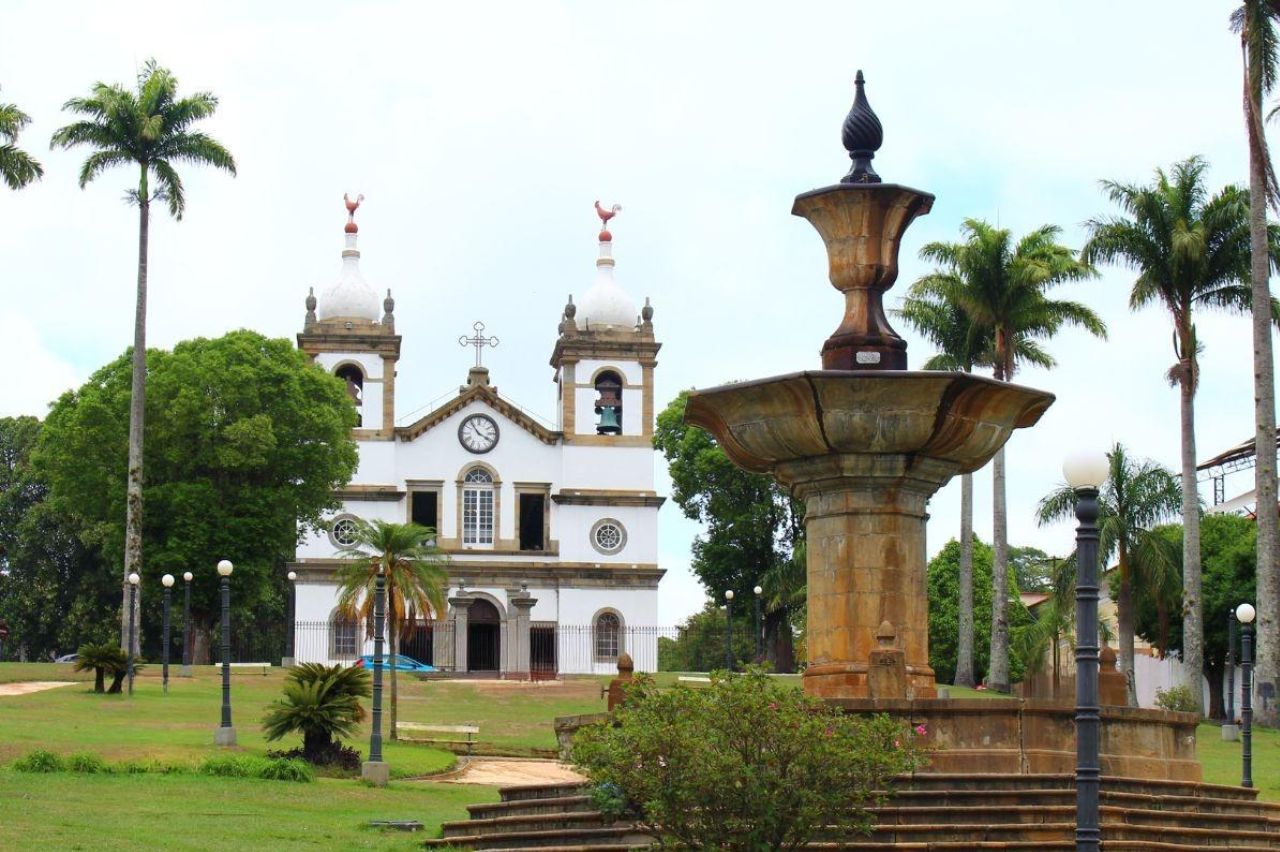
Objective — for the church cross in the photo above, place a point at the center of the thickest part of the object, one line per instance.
(479, 341)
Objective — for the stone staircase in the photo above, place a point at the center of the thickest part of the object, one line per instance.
(927, 812)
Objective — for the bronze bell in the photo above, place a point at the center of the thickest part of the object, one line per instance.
(609, 406)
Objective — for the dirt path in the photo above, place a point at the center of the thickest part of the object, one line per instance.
(506, 772)
(32, 686)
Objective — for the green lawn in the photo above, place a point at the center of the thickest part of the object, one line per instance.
(1222, 763)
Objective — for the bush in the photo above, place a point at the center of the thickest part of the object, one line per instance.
(40, 761)
(1177, 698)
(748, 763)
(335, 755)
(323, 702)
(88, 763)
(247, 766)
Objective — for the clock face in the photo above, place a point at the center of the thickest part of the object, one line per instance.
(478, 433)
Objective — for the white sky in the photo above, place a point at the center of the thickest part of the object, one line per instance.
(482, 133)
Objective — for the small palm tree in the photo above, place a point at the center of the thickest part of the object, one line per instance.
(1137, 496)
(100, 659)
(149, 128)
(1001, 286)
(17, 167)
(1054, 619)
(415, 576)
(1256, 23)
(1191, 251)
(323, 702)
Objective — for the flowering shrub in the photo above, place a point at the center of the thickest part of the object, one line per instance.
(747, 764)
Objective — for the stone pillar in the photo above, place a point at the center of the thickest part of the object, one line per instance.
(887, 673)
(459, 615)
(518, 616)
(865, 527)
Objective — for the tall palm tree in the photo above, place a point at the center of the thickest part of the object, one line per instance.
(1002, 287)
(962, 345)
(415, 580)
(1190, 250)
(1255, 21)
(1136, 497)
(17, 167)
(150, 128)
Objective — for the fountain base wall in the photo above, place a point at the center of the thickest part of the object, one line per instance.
(1020, 737)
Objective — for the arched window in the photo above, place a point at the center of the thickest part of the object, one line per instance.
(608, 636)
(609, 403)
(477, 507)
(354, 377)
(342, 635)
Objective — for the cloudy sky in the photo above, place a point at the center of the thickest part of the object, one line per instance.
(482, 133)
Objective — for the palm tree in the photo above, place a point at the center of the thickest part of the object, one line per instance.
(1054, 618)
(962, 345)
(1136, 497)
(1190, 250)
(17, 167)
(785, 592)
(415, 576)
(1002, 288)
(150, 128)
(101, 660)
(323, 702)
(1255, 21)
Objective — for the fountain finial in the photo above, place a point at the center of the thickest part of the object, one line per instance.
(862, 136)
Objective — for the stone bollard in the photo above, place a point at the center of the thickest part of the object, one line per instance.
(1113, 684)
(887, 666)
(626, 674)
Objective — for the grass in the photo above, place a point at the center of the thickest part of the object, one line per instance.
(1222, 760)
(190, 812)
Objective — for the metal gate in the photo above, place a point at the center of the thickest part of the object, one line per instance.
(542, 650)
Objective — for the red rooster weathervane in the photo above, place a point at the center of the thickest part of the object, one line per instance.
(352, 207)
(605, 216)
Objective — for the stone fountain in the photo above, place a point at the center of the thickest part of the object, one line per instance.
(865, 443)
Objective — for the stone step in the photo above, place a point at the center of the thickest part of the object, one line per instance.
(519, 824)
(1191, 838)
(531, 807)
(609, 837)
(1177, 818)
(525, 792)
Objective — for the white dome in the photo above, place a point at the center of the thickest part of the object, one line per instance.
(606, 305)
(352, 297)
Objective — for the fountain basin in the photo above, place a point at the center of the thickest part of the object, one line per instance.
(865, 450)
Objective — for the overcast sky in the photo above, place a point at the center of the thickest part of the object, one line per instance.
(482, 133)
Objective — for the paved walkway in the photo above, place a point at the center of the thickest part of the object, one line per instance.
(507, 771)
(32, 686)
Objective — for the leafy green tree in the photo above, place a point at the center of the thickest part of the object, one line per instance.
(149, 127)
(1041, 641)
(247, 441)
(962, 345)
(1136, 497)
(1256, 22)
(1229, 549)
(752, 525)
(1002, 287)
(414, 568)
(746, 764)
(943, 581)
(699, 642)
(17, 167)
(1190, 250)
(323, 702)
(1033, 569)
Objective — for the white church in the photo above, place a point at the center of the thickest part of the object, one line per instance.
(550, 533)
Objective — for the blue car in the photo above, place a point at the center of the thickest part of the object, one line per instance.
(402, 663)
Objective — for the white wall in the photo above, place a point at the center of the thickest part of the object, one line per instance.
(614, 468)
(640, 522)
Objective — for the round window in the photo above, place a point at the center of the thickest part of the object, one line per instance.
(343, 532)
(608, 536)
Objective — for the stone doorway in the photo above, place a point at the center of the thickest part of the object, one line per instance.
(484, 637)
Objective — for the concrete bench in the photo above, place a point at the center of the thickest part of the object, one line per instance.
(266, 667)
(454, 735)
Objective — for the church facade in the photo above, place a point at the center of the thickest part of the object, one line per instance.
(550, 533)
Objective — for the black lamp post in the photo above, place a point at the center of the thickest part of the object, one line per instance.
(225, 735)
(375, 770)
(167, 580)
(1231, 668)
(133, 625)
(290, 650)
(728, 630)
(186, 625)
(1245, 613)
(1085, 473)
(759, 632)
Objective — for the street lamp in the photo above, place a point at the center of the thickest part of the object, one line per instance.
(187, 576)
(1245, 614)
(728, 630)
(375, 769)
(1085, 473)
(1230, 730)
(225, 735)
(133, 625)
(290, 651)
(167, 580)
(759, 635)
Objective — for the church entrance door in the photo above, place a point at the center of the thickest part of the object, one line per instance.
(484, 637)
